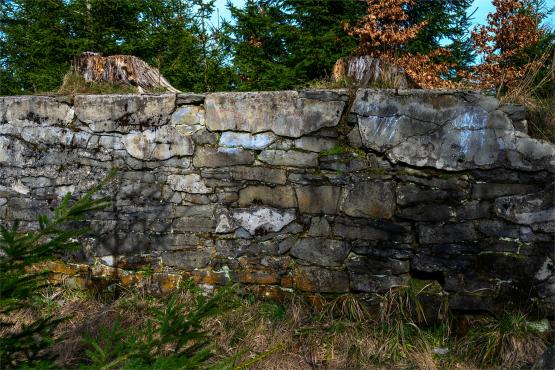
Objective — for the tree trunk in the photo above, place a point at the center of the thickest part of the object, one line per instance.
(121, 70)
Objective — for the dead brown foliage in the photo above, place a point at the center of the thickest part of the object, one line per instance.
(383, 33)
(513, 27)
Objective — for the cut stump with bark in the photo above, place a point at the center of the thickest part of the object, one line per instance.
(120, 70)
(366, 71)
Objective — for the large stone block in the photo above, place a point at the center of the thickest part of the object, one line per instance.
(376, 283)
(449, 233)
(187, 260)
(122, 113)
(322, 252)
(370, 200)
(409, 194)
(490, 191)
(321, 280)
(290, 158)
(259, 173)
(159, 144)
(192, 183)
(282, 112)
(370, 265)
(278, 196)
(318, 199)
(527, 209)
(35, 110)
(372, 230)
(446, 130)
(221, 157)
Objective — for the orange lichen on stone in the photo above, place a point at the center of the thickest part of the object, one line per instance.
(252, 276)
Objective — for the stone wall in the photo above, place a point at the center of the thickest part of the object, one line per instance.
(305, 190)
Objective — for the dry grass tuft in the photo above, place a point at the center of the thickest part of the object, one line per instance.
(534, 83)
(338, 333)
(74, 83)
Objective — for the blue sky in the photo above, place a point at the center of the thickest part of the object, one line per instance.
(482, 7)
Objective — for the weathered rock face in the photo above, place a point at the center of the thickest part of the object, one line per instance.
(261, 188)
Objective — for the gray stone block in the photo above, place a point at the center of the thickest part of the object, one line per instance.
(370, 200)
(449, 233)
(221, 157)
(278, 196)
(290, 158)
(318, 199)
(322, 252)
(282, 112)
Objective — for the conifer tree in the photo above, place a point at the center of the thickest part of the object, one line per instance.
(39, 39)
(281, 44)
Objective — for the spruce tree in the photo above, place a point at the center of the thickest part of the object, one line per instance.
(283, 44)
(448, 25)
(39, 39)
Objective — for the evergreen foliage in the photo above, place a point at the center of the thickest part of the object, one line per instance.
(20, 280)
(173, 337)
(39, 39)
(282, 44)
(447, 25)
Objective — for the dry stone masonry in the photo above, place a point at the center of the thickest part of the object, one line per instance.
(296, 190)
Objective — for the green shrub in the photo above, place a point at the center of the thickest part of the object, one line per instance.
(173, 337)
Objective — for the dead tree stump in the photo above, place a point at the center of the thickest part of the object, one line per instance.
(366, 71)
(120, 70)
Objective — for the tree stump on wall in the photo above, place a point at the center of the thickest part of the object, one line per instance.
(366, 71)
(120, 70)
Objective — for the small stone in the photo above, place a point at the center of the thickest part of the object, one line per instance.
(286, 245)
(246, 140)
(189, 98)
(371, 265)
(319, 226)
(408, 194)
(203, 137)
(188, 115)
(314, 144)
(427, 212)
(440, 351)
(490, 191)
(194, 224)
(527, 209)
(225, 224)
(354, 138)
(258, 220)
(372, 230)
